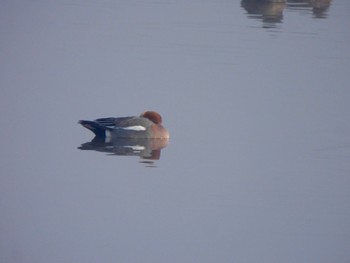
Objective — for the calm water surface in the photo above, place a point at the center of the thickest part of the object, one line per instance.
(256, 99)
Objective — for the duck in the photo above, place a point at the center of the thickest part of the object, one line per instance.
(148, 125)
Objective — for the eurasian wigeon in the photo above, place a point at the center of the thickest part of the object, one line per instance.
(147, 125)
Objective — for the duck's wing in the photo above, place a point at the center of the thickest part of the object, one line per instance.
(112, 122)
(99, 126)
(121, 127)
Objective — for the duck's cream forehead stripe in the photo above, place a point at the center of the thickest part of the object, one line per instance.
(135, 128)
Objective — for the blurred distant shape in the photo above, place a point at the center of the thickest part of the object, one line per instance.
(271, 11)
(147, 149)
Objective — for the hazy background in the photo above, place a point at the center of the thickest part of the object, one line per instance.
(256, 99)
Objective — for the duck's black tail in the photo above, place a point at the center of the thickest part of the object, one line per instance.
(96, 128)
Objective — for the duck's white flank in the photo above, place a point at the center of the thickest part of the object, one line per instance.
(135, 128)
(135, 148)
(108, 136)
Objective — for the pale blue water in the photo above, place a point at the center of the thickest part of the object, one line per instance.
(256, 99)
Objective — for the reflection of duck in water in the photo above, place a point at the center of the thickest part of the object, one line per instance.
(270, 11)
(142, 136)
(146, 148)
(319, 7)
